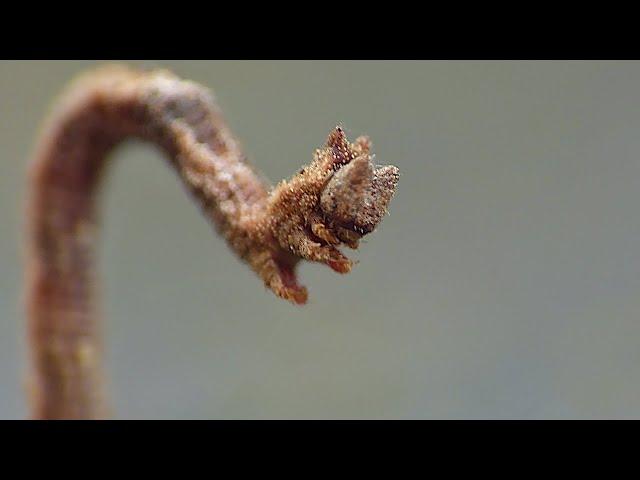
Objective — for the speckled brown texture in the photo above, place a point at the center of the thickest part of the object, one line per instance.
(336, 199)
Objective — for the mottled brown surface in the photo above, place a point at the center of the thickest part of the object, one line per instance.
(269, 229)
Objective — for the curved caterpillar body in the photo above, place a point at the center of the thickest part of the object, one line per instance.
(336, 199)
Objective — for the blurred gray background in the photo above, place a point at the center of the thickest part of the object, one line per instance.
(504, 284)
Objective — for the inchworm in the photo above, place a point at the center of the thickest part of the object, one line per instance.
(335, 200)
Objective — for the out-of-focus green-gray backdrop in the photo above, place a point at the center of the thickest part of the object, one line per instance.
(504, 284)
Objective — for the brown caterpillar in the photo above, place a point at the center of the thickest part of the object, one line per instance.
(336, 199)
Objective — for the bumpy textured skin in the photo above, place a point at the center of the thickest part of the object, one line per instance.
(335, 200)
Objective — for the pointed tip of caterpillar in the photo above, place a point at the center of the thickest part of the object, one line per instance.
(336, 200)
